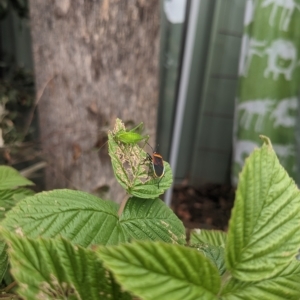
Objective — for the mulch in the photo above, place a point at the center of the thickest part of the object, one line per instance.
(207, 207)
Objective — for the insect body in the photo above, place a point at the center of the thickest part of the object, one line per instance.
(131, 136)
(157, 166)
(124, 138)
(128, 137)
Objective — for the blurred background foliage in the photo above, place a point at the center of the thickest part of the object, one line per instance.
(16, 85)
(16, 97)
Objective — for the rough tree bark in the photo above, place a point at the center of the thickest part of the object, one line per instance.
(95, 60)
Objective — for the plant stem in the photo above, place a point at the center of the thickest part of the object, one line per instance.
(122, 205)
(9, 287)
(224, 280)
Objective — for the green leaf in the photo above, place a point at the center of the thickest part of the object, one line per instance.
(154, 186)
(151, 220)
(3, 259)
(263, 230)
(216, 254)
(133, 170)
(162, 271)
(10, 178)
(284, 286)
(87, 220)
(211, 237)
(77, 216)
(211, 243)
(55, 269)
(9, 198)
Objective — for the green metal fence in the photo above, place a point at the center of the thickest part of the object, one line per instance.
(15, 40)
(205, 135)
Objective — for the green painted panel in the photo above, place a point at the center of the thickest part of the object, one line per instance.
(206, 137)
(170, 54)
(213, 140)
(220, 93)
(208, 172)
(219, 132)
(195, 88)
(232, 16)
(225, 51)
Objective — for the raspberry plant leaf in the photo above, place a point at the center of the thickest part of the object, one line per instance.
(263, 230)
(80, 217)
(88, 220)
(211, 243)
(284, 286)
(216, 254)
(152, 219)
(212, 237)
(9, 198)
(162, 271)
(133, 169)
(11, 192)
(56, 269)
(11, 178)
(3, 258)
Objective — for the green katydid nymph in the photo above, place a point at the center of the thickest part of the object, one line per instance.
(131, 136)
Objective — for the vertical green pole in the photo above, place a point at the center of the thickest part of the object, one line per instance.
(267, 101)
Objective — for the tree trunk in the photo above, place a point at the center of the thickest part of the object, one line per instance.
(94, 61)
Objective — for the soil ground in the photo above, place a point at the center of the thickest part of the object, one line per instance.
(206, 207)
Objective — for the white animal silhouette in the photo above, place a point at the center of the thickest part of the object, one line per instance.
(249, 48)
(287, 9)
(282, 112)
(282, 59)
(249, 12)
(242, 149)
(252, 108)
